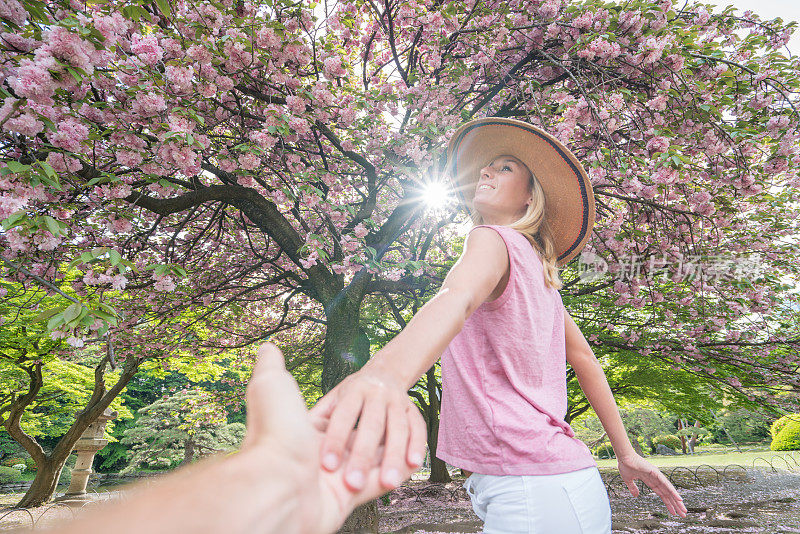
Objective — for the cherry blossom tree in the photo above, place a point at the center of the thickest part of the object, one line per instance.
(269, 162)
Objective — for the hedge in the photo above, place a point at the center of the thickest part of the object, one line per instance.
(9, 475)
(780, 423)
(604, 451)
(670, 440)
(788, 437)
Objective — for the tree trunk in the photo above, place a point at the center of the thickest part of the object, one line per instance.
(635, 443)
(693, 440)
(49, 466)
(649, 440)
(44, 485)
(343, 348)
(439, 471)
(716, 418)
(681, 426)
(344, 351)
(363, 520)
(738, 449)
(188, 452)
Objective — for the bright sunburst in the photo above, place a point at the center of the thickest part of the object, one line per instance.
(436, 195)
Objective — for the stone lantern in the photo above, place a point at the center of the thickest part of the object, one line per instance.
(86, 447)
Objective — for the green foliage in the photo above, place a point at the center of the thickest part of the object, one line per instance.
(66, 473)
(604, 451)
(9, 448)
(25, 344)
(788, 438)
(30, 464)
(67, 387)
(9, 475)
(176, 429)
(778, 425)
(670, 440)
(113, 457)
(691, 430)
(743, 424)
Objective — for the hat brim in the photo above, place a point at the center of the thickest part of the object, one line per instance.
(568, 192)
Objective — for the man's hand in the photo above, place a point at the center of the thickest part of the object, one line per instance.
(278, 425)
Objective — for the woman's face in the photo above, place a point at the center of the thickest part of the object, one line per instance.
(502, 194)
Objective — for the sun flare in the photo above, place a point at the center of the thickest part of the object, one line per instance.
(436, 195)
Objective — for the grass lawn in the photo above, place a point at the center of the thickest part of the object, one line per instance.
(716, 455)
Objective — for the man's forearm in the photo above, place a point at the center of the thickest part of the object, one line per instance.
(595, 386)
(417, 347)
(236, 494)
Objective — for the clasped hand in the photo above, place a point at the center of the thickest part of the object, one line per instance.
(391, 432)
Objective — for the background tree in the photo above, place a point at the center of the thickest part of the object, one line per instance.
(179, 428)
(43, 396)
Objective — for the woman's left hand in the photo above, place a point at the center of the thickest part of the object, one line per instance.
(634, 467)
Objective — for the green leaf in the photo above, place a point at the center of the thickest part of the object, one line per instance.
(107, 308)
(47, 122)
(166, 183)
(16, 166)
(164, 7)
(135, 13)
(72, 312)
(55, 321)
(47, 314)
(48, 170)
(14, 219)
(74, 74)
(52, 225)
(86, 318)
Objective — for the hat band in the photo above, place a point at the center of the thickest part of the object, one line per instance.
(581, 183)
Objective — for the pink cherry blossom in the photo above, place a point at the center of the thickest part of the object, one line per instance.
(147, 49)
(25, 124)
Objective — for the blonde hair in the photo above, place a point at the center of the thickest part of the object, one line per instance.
(534, 226)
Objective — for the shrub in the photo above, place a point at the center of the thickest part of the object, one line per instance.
(776, 427)
(66, 473)
(788, 438)
(9, 475)
(8, 462)
(604, 451)
(30, 464)
(670, 440)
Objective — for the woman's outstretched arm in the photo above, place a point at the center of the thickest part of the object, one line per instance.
(593, 382)
(376, 396)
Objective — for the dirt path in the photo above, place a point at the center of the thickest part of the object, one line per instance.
(724, 500)
(727, 500)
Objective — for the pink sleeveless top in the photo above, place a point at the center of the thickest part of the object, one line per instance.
(504, 390)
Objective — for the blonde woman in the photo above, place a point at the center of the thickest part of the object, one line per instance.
(504, 337)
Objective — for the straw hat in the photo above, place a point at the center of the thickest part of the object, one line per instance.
(567, 189)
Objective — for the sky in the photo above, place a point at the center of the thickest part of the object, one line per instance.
(788, 10)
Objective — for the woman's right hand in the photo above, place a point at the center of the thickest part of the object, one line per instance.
(385, 415)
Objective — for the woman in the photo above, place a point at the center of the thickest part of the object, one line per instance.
(504, 337)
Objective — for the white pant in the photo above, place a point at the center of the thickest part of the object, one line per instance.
(566, 503)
